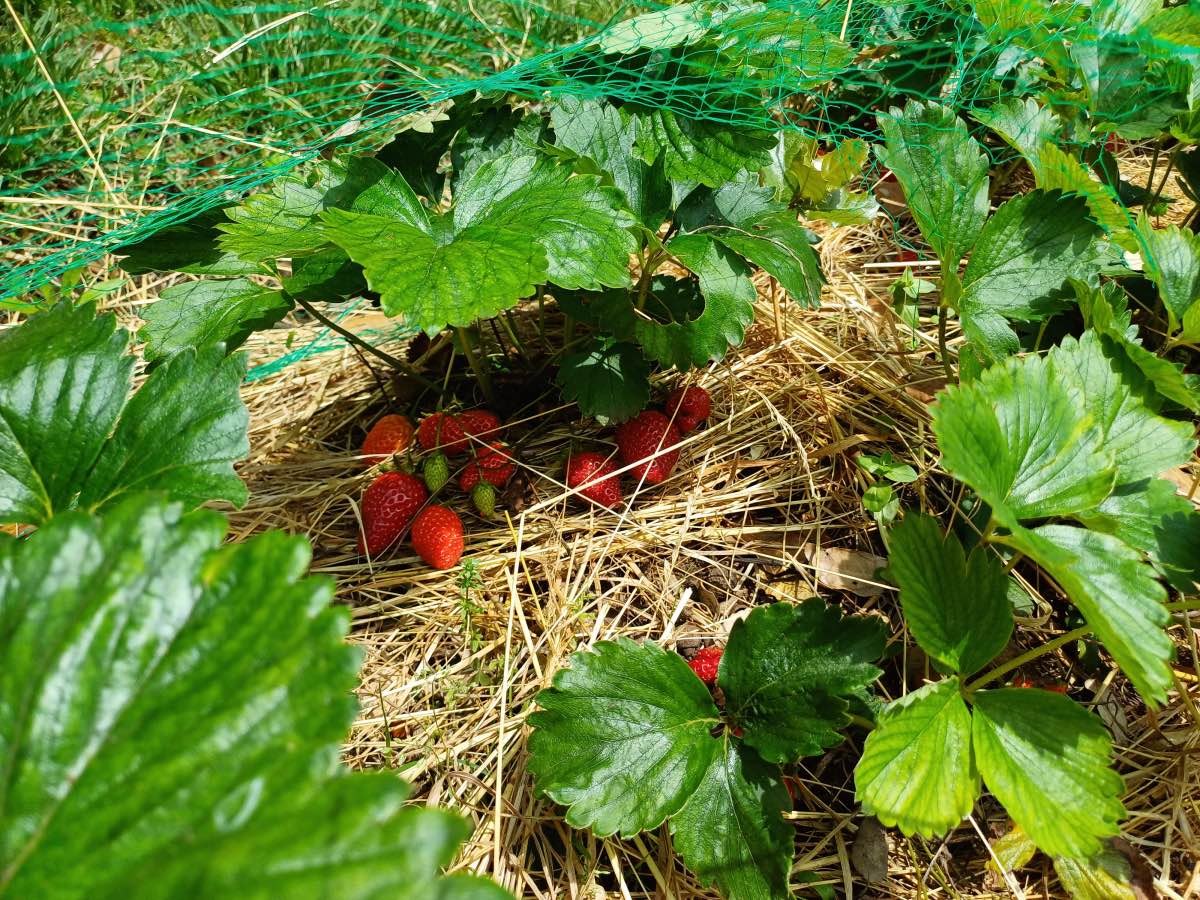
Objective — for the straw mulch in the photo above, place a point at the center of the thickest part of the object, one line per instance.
(764, 504)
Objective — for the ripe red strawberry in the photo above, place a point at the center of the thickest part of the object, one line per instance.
(437, 536)
(388, 505)
(705, 664)
(481, 424)
(492, 463)
(391, 434)
(642, 437)
(444, 431)
(693, 405)
(596, 468)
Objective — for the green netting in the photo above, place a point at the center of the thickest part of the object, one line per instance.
(115, 122)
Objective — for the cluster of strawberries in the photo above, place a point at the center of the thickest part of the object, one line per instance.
(649, 442)
(396, 500)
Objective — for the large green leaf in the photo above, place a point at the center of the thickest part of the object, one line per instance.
(1117, 592)
(779, 245)
(729, 297)
(697, 150)
(329, 274)
(1105, 876)
(1025, 253)
(197, 313)
(944, 174)
(657, 30)
(1020, 438)
(170, 718)
(622, 738)
(608, 379)
(1172, 259)
(731, 831)
(1056, 170)
(189, 246)
(607, 136)
(788, 670)
(1024, 124)
(68, 436)
(517, 221)
(1047, 760)
(955, 606)
(917, 770)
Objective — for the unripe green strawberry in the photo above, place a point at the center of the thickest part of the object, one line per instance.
(436, 471)
(483, 495)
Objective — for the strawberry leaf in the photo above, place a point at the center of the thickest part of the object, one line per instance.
(1020, 438)
(700, 151)
(1024, 124)
(955, 606)
(917, 770)
(788, 670)
(1105, 876)
(732, 831)
(1047, 760)
(622, 738)
(608, 379)
(1025, 253)
(779, 245)
(70, 436)
(729, 297)
(189, 246)
(1172, 259)
(325, 275)
(1056, 170)
(944, 174)
(197, 313)
(172, 710)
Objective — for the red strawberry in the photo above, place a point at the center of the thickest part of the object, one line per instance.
(604, 487)
(388, 504)
(481, 424)
(437, 536)
(444, 431)
(648, 439)
(705, 664)
(391, 434)
(908, 255)
(492, 463)
(693, 405)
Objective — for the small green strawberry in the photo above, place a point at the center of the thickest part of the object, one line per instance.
(483, 495)
(436, 471)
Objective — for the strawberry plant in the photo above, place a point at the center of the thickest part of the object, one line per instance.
(629, 736)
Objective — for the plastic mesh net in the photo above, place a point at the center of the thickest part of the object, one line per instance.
(115, 123)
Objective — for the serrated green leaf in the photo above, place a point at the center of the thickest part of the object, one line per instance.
(1118, 594)
(608, 379)
(781, 42)
(610, 310)
(657, 30)
(956, 606)
(1013, 851)
(1018, 436)
(600, 132)
(1024, 124)
(779, 245)
(702, 151)
(917, 771)
(944, 174)
(732, 831)
(622, 738)
(729, 297)
(1172, 259)
(737, 203)
(1047, 760)
(1025, 253)
(326, 275)
(1105, 876)
(842, 207)
(170, 721)
(493, 133)
(197, 313)
(71, 437)
(787, 671)
(189, 246)
(1056, 170)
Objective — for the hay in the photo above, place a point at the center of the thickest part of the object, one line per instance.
(453, 661)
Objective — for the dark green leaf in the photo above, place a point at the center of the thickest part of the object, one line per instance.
(1047, 760)
(328, 274)
(172, 711)
(917, 770)
(622, 738)
(1172, 259)
(189, 246)
(732, 831)
(608, 379)
(1023, 123)
(703, 151)
(729, 297)
(787, 671)
(779, 245)
(197, 313)
(956, 606)
(944, 174)
(491, 134)
(1056, 170)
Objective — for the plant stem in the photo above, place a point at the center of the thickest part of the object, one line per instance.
(1162, 184)
(1028, 656)
(506, 324)
(942, 349)
(476, 364)
(1153, 169)
(397, 364)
